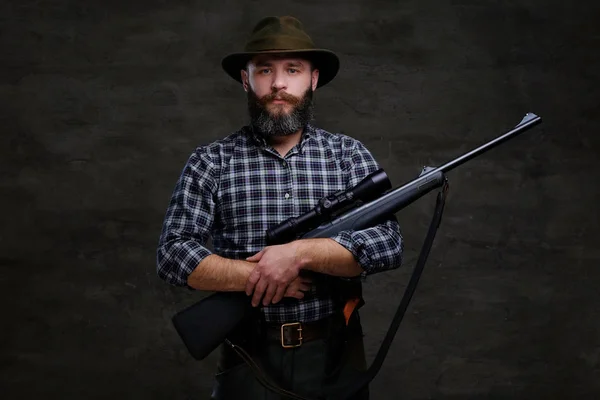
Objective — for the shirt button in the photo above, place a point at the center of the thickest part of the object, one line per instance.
(284, 164)
(287, 196)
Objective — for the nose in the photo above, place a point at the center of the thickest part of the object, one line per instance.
(279, 81)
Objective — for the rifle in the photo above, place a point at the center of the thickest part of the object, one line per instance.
(208, 323)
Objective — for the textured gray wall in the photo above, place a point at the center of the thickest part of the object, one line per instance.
(103, 103)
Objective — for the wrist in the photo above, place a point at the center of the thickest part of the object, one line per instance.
(303, 254)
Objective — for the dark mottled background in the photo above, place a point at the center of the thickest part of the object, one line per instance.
(102, 103)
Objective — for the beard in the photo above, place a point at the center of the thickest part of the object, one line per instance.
(278, 122)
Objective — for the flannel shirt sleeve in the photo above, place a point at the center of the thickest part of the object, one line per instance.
(188, 221)
(378, 248)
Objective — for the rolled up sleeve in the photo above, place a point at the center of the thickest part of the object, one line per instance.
(380, 247)
(188, 221)
(376, 249)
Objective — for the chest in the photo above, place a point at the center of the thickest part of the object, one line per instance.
(257, 193)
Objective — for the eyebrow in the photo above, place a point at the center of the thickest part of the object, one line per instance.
(288, 64)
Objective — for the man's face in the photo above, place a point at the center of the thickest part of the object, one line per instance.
(279, 93)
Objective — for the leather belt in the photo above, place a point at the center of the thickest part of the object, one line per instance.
(293, 334)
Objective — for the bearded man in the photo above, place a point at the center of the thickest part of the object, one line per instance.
(234, 189)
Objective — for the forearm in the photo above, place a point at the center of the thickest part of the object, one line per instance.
(326, 256)
(377, 249)
(215, 273)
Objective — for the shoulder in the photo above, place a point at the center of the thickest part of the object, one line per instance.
(342, 142)
(353, 156)
(217, 153)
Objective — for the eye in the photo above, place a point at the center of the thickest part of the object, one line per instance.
(264, 70)
(292, 70)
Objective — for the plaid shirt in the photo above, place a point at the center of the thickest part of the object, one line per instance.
(238, 187)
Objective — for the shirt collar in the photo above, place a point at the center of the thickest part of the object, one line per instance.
(309, 131)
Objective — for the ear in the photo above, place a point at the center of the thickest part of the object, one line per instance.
(315, 79)
(244, 75)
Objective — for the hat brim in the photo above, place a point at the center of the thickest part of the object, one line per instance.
(326, 61)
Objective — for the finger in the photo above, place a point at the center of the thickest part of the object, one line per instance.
(269, 294)
(303, 288)
(256, 257)
(251, 283)
(279, 294)
(259, 290)
(292, 292)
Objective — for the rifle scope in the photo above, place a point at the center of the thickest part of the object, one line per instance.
(369, 188)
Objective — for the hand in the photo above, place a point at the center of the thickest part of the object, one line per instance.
(297, 288)
(277, 268)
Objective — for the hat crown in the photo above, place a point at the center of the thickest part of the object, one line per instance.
(278, 22)
(279, 33)
(282, 35)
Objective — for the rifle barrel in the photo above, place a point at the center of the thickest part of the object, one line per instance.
(393, 201)
(529, 120)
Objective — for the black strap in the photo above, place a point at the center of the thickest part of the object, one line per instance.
(344, 390)
(348, 389)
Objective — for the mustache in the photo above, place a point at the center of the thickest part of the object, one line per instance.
(280, 96)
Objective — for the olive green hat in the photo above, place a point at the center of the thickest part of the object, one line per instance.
(282, 35)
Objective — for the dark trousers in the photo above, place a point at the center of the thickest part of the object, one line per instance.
(304, 370)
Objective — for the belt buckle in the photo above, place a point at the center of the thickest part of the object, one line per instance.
(298, 329)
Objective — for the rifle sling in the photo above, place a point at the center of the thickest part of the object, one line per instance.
(344, 390)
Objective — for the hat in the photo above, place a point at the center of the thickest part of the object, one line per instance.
(273, 35)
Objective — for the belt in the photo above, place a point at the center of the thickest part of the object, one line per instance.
(293, 334)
